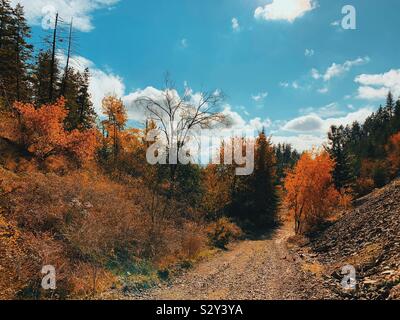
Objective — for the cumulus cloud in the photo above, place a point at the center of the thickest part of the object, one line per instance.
(336, 70)
(310, 130)
(284, 84)
(309, 52)
(184, 43)
(301, 142)
(377, 86)
(287, 10)
(330, 110)
(307, 123)
(260, 96)
(81, 11)
(318, 124)
(135, 110)
(237, 121)
(102, 83)
(235, 24)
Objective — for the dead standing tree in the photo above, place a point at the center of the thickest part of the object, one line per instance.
(177, 116)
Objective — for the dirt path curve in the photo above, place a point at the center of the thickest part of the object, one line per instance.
(251, 270)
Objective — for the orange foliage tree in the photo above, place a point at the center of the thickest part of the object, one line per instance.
(393, 150)
(114, 110)
(310, 192)
(43, 134)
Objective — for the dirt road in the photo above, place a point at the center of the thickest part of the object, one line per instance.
(251, 270)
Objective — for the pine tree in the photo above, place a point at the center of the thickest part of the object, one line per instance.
(23, 53)
(6, 51)
(396, 117)
(71, 86)
(342, 174)
(42, 78)
(87, 114)
(265, 197)
(390, 104)
(254, 198)
(286, 158)
(81, 114)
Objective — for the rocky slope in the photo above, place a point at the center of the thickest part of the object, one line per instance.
(368, 238)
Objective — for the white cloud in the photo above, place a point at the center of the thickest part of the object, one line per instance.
(336, 70)
(317, 124)
(377, 86)
(102, 82)
(370, 93)
(295, 85)
(237, 121)
(184, 43)
(323, 90)
(309, 52)
(307, 123)
(288, 10)
(308, 131)
(330, 110)
(315, 74)
(260, 96)
(300, 142)
(235, 24)
(284, 84)
(81, 11)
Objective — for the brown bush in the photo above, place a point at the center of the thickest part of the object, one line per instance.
(80, 222)
(222, 232)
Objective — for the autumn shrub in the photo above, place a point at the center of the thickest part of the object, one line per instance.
(363, 186)
(373, 174)
(393, 150)
(222, 232)
(193, 240)
(88, 281)
(41, 131)
(92, 229)
(19, 264)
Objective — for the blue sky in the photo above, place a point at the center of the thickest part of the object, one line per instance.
(287, 65)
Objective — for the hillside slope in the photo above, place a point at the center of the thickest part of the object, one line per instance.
(368, 238)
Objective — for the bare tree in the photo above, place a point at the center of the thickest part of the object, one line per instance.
(176, 116)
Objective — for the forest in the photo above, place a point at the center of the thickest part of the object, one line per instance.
(77, 193)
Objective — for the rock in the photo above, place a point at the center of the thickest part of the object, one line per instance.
(368, 236)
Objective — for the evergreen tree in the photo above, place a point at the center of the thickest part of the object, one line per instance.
(265, 197)
(71, 89)
(6, 51)
(390, 104)
(42, 78)
(87, 114)
(342, 174)
(286, 158)
(23, 53)
(254, 197)
(396, 117)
